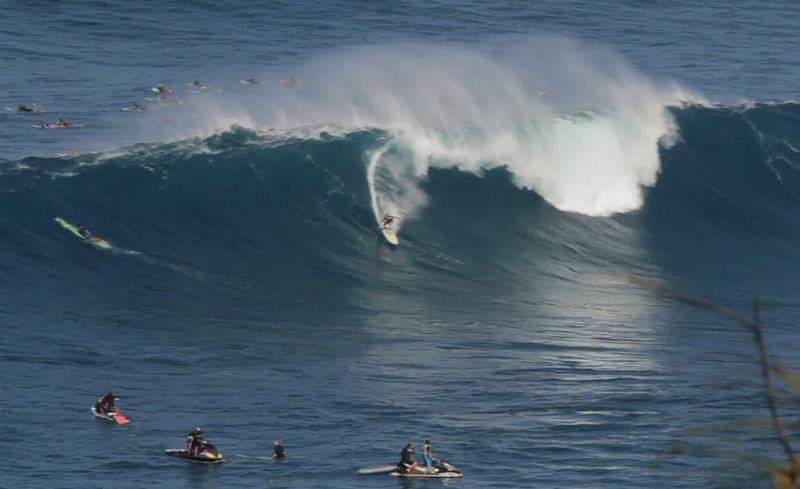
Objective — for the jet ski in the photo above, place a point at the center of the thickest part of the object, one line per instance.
(439, 470)
(206, 454)
(114, 416)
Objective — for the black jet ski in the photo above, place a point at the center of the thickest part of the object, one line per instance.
(206, 454)
(439, 470)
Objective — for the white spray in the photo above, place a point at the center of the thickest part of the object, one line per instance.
(571, 121)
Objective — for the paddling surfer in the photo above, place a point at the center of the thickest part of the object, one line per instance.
(278, 451)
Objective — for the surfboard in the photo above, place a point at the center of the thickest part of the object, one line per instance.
(94, 241)
(380, 469)
(390, 236)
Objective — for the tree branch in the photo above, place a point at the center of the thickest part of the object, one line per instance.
(755, 328)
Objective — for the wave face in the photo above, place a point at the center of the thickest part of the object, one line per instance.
(268, 219)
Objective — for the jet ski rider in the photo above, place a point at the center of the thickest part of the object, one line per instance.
(407, 462)
(427, 455)
(194, 440)
(105, 403)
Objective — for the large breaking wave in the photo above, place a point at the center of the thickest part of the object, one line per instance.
(571, 121)
(294, 215)
(504, 165)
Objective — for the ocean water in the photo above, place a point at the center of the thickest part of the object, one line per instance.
(533, 153)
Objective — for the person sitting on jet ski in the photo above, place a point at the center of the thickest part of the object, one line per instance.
(407, 461)
(194, 440)
(427, 455)
(105, 404)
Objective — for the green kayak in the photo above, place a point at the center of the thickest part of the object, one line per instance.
(92, 240)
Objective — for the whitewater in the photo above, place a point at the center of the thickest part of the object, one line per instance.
(535, 155)
(571, 121)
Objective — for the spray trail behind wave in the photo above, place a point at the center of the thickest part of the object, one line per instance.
(573, 122)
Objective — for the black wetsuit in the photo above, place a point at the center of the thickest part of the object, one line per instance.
(106, 404)
(278, 453)
(406, 458)
(194, 443)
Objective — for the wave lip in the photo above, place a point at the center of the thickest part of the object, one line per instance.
(571, 121)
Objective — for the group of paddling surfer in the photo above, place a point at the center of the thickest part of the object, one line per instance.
(159, 91)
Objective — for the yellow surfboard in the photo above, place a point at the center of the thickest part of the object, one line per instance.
(389, 235)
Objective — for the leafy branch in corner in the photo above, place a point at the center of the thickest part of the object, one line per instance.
(786, 478)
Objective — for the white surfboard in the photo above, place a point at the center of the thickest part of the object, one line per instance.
(380, 469)
(390, 236)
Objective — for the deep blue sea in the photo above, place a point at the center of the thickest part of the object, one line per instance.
(534, 153)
